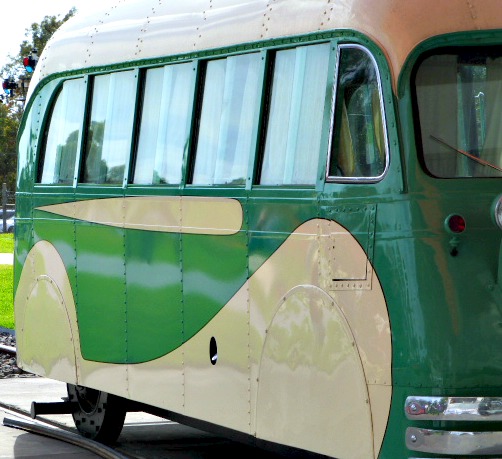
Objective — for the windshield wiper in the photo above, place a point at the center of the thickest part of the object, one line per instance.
(462, 152)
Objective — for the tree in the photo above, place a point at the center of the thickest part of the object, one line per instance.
(38, 35)
(9, 124)
(11, 110)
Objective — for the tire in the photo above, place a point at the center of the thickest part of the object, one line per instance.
(100, 416)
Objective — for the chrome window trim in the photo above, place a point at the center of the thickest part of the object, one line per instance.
(337, 179)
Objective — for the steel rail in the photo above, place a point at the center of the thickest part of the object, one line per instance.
(66, 436)
(59, 432)
(8, 349)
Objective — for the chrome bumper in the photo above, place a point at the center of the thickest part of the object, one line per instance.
(483, 409)
(455, 443)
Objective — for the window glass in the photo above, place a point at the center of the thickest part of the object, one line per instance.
(459, 95)
(110, 127)
(165, 124)
(359, 149)
(231, 100)
(293, 139)
(64, 134)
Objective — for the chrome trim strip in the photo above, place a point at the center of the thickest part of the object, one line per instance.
(454, 408)
(453, 442)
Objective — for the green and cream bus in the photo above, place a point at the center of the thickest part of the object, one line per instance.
(278, 220)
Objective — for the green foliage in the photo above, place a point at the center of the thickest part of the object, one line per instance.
(9, 125)
(41, 33)
(38, 34)
(7, 243)
(6, 296)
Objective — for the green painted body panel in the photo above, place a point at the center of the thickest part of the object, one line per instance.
(103, 320)
(154, 294)
(445, 311)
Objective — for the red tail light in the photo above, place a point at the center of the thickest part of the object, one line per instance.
(455, 223)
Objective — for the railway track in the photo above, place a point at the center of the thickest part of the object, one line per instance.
(7, 349)
(20, 419)
(8, 366)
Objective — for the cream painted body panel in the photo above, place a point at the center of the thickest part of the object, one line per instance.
(364, 311)
(221, 393)
(312, 390)
(134, 30)
(46, 350)
(178, 214)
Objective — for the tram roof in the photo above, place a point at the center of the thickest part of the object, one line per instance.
(140, 29)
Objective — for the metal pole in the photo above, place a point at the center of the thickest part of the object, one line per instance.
(4, 207)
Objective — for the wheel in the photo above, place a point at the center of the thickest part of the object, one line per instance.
(100, 416)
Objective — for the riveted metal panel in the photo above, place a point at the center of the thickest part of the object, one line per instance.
(349, 270)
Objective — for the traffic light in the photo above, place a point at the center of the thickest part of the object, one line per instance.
(9, 85)
(30, 62)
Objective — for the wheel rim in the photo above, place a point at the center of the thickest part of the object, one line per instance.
(99, 416)
(87, 399)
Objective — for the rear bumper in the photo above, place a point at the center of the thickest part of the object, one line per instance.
(484, 442)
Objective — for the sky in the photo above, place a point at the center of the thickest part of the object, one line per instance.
(16, 20)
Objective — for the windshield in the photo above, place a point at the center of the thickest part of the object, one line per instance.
(458, 96)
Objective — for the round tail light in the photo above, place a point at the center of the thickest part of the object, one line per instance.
(455, 224)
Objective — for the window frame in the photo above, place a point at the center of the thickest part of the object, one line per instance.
(140, 103)
(41, 156)
(200, 85)
(80, 182)
(458, 50)
(271, 54)
(330, 153)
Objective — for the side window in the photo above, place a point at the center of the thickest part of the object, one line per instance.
(293, 138)
(64, 134)
(228, 120)
(359, 146)
(110, 128)
(165, 124)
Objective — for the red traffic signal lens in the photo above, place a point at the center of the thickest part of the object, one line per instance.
(29, 64)
(8, 85)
